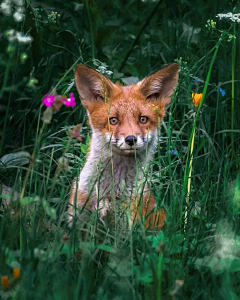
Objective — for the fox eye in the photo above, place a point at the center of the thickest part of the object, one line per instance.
(113, 121)
(143, 119)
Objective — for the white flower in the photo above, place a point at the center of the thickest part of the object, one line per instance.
(229, 17)
(103, 70)
(19, 2)
(109, 72)
(6, 7)
(23, 39)
(18, 16)
(14, 35)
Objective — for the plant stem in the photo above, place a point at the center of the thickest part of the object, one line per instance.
(191, 139)
(233, 86)
(139, 34)
(189, 177)
(5, 79)
(159, 288)
(31, 162)
(91, 28)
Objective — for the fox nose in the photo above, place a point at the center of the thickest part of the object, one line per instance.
(131, 140)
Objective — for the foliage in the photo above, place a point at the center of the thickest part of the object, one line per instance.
(194, 175)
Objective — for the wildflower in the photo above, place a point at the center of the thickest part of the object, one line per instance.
(58, 103)
(235, 18)
(47, 115)
(23, 39)
(10, 49)
(5, 7)
(102, 68)
(5, 282)
(197, 97)
(211, 24)
(18, 15)
(16, 273)
(176, 289)
(23, 57)
(48, 100)
(70, 102)
(53, 16)
(172, 152)
(76, 132)
(13, 35)
(109, 72)
(19, 2)
(222, 92)
(32, 82)
(62, 163)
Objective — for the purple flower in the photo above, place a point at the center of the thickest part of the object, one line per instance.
(70, 102)
(48, 100)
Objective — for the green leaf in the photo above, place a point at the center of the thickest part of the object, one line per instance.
(156, 239)
(14, 159)
(84, 148)
(49, 210)
(144, 276)
(28, 200)
(106, 248)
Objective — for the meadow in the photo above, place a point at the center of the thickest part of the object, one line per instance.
(194, 175)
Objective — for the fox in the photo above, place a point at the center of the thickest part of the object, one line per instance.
(125, 122)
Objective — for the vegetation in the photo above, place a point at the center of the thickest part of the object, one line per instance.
(194, 176)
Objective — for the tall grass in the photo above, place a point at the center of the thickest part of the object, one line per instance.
(196, 255)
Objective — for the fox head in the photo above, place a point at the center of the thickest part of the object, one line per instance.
(126, 116)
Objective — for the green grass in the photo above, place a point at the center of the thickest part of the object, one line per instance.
(196, 255)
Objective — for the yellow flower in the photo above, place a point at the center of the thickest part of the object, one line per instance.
(196, 98)
(16, 273)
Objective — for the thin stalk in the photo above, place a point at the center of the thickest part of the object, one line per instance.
(54, 181)
(91, 28)
(5, 79)
(139, 34)
(189, 177)
(31, 162)
(233, 78)
(159, 274)
(187, 166)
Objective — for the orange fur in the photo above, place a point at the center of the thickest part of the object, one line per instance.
(105, 100)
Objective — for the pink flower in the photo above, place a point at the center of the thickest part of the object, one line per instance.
(70, 102)
(48, 100)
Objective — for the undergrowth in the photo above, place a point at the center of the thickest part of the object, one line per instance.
(194, 175)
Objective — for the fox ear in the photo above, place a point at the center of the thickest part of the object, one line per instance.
(91, 85)
(160, 85)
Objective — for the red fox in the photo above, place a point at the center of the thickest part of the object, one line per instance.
(124, 122)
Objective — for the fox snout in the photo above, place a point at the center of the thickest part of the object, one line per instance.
(130, 143)
(130, 140)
